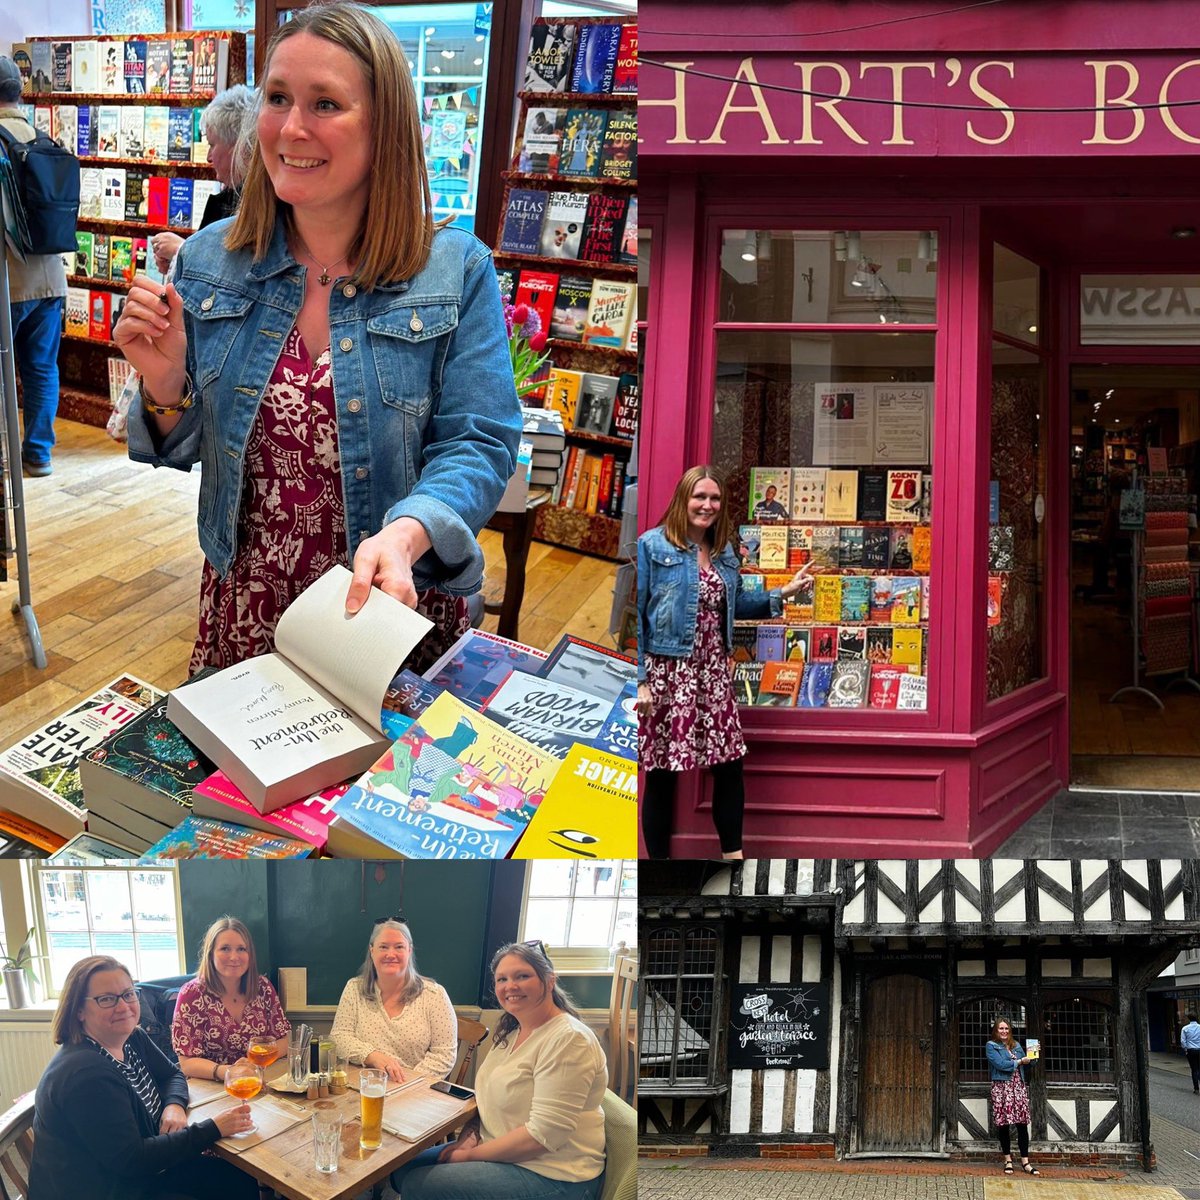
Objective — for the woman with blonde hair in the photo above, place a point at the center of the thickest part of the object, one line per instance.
(110, 1115)
(336, 362)
(689, 593)
(227, 1006)
(392, 1018)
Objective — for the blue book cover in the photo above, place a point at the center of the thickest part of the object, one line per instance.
(619, 733)
(523, 221)
(771, 643)
(596, 58)
(407, 697)
(814, 687)
(473, 669)
(135, 67)
(856, 598)
(454, 785)
(83, 131)
(179, 135)
(198, 837)
(179, 212)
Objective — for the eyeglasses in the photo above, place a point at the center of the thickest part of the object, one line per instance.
(539, 946)
(108, 1000)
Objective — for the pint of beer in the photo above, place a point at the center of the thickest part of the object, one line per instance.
(372, 1086)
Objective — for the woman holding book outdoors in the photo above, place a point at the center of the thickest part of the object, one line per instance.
(110, 1115)
(226, 1007)
(227, 124)
(1010, 1100)
(539, 1131)
(392, 1019)
(337, 363)
(689, 593)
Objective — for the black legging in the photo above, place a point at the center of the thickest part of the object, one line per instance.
(658, 807)
(1006, 1138)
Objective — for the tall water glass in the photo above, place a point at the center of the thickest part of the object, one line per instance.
(327, 1139)
(372, 1087)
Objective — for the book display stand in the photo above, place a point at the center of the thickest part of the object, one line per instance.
(579, 242)
(135, 129)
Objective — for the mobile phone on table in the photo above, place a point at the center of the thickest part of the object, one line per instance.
(453, 1089)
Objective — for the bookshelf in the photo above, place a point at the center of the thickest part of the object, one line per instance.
(600, 189)
(132, 150)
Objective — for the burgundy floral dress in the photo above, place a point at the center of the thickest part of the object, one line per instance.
(203, 1028)
(292, 523)
(693, 719)
(1010, 1099)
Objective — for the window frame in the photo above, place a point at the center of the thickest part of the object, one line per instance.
(35, 868)
(580, 958)
(1059, 1001)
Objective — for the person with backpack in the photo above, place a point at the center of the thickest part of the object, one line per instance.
(37, 293)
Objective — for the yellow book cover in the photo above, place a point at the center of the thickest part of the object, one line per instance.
(562, 394)
(922, 548)
(773, 549)
(589, 811)
(906, 647)
(593, 496)
(827, 599)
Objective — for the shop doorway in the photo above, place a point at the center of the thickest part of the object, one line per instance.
(1130, 424)
(897, 1101)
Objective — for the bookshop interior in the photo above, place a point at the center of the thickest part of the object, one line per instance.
(528, 118)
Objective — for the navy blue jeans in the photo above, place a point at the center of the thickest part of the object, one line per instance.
(426, 1179)
(37, 330)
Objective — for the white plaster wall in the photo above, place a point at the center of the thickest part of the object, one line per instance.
(70, 18)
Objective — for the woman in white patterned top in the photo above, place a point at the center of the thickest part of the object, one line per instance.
(392, 1019)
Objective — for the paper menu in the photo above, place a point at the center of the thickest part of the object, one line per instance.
(413, 1114)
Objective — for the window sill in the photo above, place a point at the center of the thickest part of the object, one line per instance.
(41, 1013)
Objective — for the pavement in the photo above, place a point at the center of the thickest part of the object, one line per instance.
(1177, 1177)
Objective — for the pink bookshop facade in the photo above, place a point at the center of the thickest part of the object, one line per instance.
(885, 280)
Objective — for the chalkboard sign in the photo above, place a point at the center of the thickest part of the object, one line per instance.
(779, 1025)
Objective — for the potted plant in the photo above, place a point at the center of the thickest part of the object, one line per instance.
(19, 975)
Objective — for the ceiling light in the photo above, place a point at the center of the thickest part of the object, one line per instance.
(1108, 395)
(1182, 232)
(478, 62)
(430, 31)
(748, 252)
(1033, 329)
(447, 53)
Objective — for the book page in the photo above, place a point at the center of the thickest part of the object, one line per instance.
(353, 657)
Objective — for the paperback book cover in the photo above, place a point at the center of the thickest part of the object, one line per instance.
(922, 548)
(826, 546)
(619, 733)
(912, 693)
(179, 134)
(856, 598)
(66, 126)
(562, 394)
(780, 684)
(827, 599)
(61, 71)
(407, 697)
(137, 204)
(876, 547)
(618, 154)
(627, 253)
(852, 642)
(85, 129)
(746, 678)
(570, 308)
(204, 74)
(906, 647)
(100, 315)
(108, 131)
(872, 495)
(589, 810)
(551, 52)
(548, 714)
(900, 548)
(597, 398)
(879, 644)
(906, 600)
(602, 228)
(885, 686)
(841, 495)
(610, 313)
(523, 221)
(903, 496)
(542, 141)
(596, 58)
(750, 545)
(86, 66)
(455, 785)
(101, 248)
(796, 644)
(39, 775)
(135, 67)
(77, 315)
(815, 685)
(219, 798)
(799, 546)
(85, 255)
(179, 210)
(770, 493)
(158, 66)
(881, 598)
(808, 493)
(286, 724)
(120, 258)
(183, 65)
(850, 682)
(773, 547)
(479, 662)
(112, 67)
(562, 225)
(24, 65)
(41, 58)
(589, 666)
(823, 646)
(851, 546)
(770, 644)
(745, 639)
(198, 837)
(157, 131)
(537, 289)
(582, 140)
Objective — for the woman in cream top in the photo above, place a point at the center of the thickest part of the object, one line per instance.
(389, 1017)
(540, 1128)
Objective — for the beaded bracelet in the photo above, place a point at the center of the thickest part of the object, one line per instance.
(165, 410)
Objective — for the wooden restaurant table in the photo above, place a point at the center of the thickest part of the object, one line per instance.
(284, 1161)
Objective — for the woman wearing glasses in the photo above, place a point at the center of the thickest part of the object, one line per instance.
(539, 1134)
(110, 1117)
(391, 1018)
(226, 1007)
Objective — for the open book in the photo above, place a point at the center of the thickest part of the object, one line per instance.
(287, 724)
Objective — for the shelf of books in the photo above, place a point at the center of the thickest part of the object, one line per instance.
(129, 108)
(567, 248)
(857, 636)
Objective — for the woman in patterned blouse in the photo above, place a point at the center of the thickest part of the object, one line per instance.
(110, 1117)
(392, 1019)
(226, 1007)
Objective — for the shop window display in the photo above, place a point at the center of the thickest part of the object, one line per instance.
(827, 438)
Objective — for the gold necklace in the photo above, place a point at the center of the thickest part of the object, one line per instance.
(324, 278)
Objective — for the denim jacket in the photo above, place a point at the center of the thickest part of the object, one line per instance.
(427, 414)
(669, 596)
(1002, 1063)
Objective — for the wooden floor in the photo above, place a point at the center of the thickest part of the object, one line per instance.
(115, 568)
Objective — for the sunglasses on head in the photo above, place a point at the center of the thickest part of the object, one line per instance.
(395, 918)
(538, 945)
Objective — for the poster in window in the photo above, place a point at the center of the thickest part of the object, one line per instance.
(779, 1025)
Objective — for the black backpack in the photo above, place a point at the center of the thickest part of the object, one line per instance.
(47, 179)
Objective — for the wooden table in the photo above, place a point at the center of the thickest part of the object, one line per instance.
(285, 1161)
(517, 528)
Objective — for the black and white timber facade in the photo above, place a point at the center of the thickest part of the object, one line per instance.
(843, 1006)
